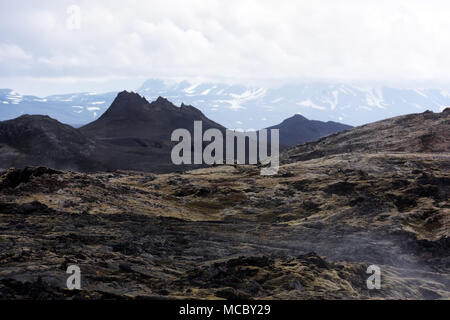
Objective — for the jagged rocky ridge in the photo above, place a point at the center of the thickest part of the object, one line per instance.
(132, 121)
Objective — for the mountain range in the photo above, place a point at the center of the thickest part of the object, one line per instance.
(242, 107)
(132, 134)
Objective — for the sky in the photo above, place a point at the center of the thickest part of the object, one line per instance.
(49, 47)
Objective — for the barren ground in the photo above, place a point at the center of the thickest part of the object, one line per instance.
(227, 232)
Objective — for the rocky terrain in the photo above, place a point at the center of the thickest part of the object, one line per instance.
(226, 232)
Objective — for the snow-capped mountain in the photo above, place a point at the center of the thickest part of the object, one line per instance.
(258, 107)
(74, 109)
(243, 107)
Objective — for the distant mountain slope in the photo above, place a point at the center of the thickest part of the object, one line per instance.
(74, 109)
(244, 107)
(41, 140)
(297, 129)
(250, 107)
(420, 132)
(34, 140)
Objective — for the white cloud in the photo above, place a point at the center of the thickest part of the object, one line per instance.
(249, 41)
(12, 52)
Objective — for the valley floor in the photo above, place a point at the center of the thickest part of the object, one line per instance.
(309, 232)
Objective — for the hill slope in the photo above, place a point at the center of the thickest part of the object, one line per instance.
(41, 140)
(298, 129)
(420, 132)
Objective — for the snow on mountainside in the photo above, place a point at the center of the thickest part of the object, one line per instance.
(243, 107)
(255, 108)
(74, 109)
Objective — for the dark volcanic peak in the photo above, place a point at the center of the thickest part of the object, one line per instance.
(132, 104)
(126, 104)
(129, 98)
(294, 118)
(130, 115)
(298, 129)
(413, 133)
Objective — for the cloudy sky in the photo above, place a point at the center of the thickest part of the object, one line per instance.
(67, 46)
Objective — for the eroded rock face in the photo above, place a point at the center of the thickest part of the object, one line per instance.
(226, 232)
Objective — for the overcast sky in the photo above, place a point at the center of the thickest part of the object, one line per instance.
(45, 48)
